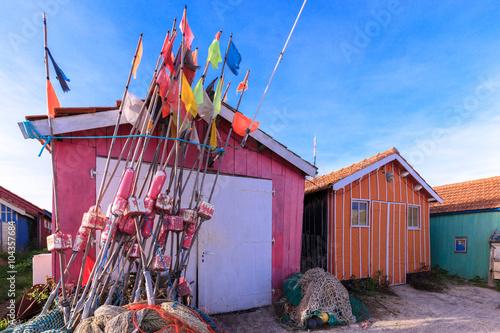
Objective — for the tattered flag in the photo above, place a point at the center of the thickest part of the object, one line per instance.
(61, 77)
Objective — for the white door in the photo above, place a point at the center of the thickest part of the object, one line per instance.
(231, 259)
(234, 248)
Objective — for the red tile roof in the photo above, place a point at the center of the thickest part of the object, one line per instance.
(323, 182)
(472, 195)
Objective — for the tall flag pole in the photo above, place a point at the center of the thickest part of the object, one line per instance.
(52, 98)
(271, 79)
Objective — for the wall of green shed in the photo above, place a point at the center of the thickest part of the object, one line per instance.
(477, 227)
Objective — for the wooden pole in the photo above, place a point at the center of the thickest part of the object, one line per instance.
(54, 179)
(272, 75)
(225, 92)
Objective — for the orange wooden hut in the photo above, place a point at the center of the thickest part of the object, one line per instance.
(370, 217)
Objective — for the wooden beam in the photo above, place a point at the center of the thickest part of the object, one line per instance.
(88, 121)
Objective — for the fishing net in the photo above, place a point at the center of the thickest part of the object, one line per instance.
(293, 289)
(105, 313)
(51, 320)
(170, 317)
(359, 310)
(322, 292)
(89, 325)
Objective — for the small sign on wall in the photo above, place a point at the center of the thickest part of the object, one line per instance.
(460, 244)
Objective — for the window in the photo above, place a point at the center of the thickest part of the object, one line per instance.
(359, 216)
(47, 224)
(460, 244)
(413, 217)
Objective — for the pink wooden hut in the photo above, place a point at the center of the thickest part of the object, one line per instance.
(254, 241)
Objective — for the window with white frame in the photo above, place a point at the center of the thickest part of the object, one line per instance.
(359, 213)
(413, 217)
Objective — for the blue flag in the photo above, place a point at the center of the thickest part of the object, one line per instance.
(233, 58)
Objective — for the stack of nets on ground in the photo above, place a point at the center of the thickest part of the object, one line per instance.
(49, 322)
(318, 294)
(169, 317)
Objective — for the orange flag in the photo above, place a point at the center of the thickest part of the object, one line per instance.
(137, 60)
(52, 101)
(241, 123)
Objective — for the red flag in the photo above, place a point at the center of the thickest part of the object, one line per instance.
(167, 52)
(166, 44)
(188, 34)
(89, 265)
(163, 81)
(241, 123)
(52, 101)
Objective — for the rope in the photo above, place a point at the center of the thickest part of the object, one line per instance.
(33, 134)
(163, 314)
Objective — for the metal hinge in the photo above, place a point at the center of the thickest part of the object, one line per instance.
(273, 192)
(273, 241)
(93, 173)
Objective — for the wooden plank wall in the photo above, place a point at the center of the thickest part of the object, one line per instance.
(351, 248)
(477, 227)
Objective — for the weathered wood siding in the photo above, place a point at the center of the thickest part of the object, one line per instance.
(477, 227)
(353, 251)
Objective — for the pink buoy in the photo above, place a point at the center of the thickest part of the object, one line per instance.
(92, 209)
(186, 243)
(157, 265)
(127, 225)
(165, 203)
(188, 215)
(135, 206)
(81, 239)
(191, 229)
(135, 252)
(149, 205)
(58, 242)
(119, 206)
(105, 233)
(94, 221)
(146, 228)
(125, 187)
(163, 236)
(157, 184)
(174, 223)
(206, 210)
(184, 287)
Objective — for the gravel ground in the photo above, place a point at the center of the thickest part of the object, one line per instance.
(459, 308)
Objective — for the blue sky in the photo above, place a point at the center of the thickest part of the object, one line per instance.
(362, 76)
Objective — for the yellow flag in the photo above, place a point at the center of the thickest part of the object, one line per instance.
(188, 97)
(213, 135)
(137, 59)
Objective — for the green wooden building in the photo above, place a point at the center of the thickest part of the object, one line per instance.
(461, 226)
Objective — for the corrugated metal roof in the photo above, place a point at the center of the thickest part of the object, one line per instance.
(472, 195)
